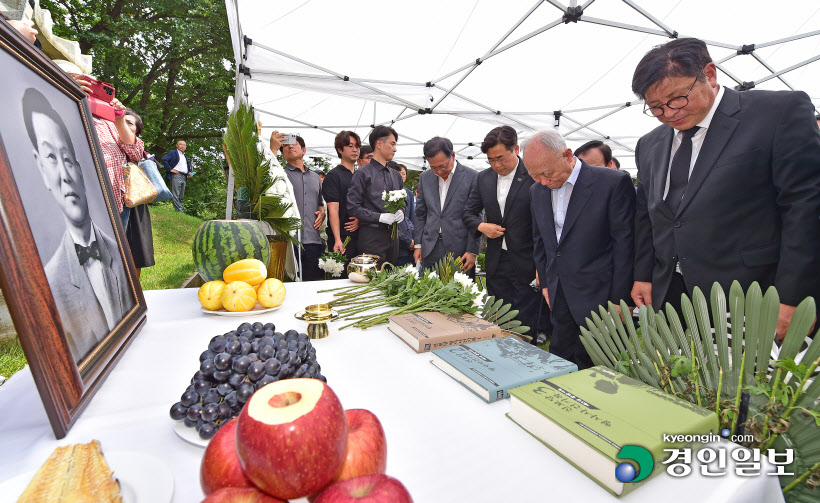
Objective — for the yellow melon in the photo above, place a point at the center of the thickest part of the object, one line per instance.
(271, 293)
(238, 296)
(249, 270)
(210, 295)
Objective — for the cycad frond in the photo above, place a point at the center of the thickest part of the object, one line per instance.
(251, 169)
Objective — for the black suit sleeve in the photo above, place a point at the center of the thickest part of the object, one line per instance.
(472, 211)
(421, 215)
(539, 253)
(644, 249)
(621, 228)
(796, 179)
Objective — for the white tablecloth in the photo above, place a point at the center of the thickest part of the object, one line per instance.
(444, 443)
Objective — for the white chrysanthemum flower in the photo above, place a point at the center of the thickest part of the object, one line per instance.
(384, 195)
(432, 274)
(338, 269)
(410, 269)
(475, 289)
(462, 279)
(322, 264)
(479, 300)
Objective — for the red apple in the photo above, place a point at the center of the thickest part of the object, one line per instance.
(379, 488)
(240, 495)
(220, 464)
(366, 445)
(291, 437)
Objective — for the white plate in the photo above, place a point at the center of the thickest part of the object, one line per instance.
(143, 478)
(190, 435)
(257, 309)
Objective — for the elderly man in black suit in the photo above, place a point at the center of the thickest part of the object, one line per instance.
(583, 233)
(728, 186)
(503, 194)
(442, 194)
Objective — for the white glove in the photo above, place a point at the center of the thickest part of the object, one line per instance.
(387, 218)
(399, 217)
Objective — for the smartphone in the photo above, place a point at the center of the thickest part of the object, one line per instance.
(103, 91)
(290, 139)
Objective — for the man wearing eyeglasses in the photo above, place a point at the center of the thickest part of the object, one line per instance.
(728, 186)
(503, 194)
(443, 192)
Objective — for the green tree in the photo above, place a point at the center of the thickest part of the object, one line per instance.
(171, 61)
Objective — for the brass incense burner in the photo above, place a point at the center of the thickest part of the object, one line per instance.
(317, 316)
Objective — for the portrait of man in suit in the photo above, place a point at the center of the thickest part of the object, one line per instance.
(443, 191)
(502, 193)
(85, 274)
(728, 184)
(583, 237)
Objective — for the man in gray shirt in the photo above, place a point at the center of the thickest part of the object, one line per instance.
(307, 190)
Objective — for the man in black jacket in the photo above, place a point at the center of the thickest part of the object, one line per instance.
(728, 186)
(503, 194)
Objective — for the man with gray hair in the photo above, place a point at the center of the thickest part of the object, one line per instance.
(442, 195)
(583, 234)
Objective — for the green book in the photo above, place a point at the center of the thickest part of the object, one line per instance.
(587, 416)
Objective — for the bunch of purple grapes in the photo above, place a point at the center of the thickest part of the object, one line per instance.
(237, 364)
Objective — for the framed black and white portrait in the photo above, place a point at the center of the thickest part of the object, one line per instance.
(67, 273)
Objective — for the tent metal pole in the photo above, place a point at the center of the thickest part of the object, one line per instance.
(768, 67)
(312, 126)
(727, 58)
(598, 133)
(614, 24)
(331, 72)
(728, 73)
(526, 37)
(560, 6)
(509, 32)
(650, 17)
(634, 102)
(788, 39)
(497, 112)
(593, 121)
(793, 67)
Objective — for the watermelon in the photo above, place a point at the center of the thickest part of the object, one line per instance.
(220, 243)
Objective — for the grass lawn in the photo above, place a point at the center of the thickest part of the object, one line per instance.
(173, 236)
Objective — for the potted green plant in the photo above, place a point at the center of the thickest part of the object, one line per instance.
(260, 195)
(713, 360)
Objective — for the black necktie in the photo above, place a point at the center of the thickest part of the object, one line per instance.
(679, 170)
(87, 252)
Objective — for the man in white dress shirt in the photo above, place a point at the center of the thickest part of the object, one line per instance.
(178, 170)
(503, 194)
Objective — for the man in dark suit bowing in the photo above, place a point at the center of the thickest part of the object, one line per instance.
(583, 237)
(728, 186)
(503, 194)
(443, 192)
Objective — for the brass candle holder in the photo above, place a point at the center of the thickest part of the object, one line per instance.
(317, 316)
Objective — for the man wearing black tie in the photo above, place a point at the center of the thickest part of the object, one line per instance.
(728, 187)
(503, 194)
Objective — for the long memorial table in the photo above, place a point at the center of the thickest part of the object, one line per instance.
(444, 443)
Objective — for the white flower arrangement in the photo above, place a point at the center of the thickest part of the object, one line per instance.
(332, 267)
(394, 196)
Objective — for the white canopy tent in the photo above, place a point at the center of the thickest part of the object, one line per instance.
(459, 68)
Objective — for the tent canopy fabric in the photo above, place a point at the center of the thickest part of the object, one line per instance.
(458, 69)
